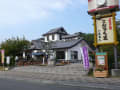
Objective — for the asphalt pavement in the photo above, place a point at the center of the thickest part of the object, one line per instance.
(71, 75)
(6, 84)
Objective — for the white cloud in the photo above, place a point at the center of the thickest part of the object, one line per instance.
(21, 11)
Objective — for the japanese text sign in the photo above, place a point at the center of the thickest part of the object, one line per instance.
(105, 33)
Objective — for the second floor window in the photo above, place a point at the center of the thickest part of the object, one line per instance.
(60, 37)
(48, 38)
(53, 37)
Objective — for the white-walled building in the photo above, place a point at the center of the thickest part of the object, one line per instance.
(61, 45)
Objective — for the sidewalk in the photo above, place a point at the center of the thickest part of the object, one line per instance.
(66, 75)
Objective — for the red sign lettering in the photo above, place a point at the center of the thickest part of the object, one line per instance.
(110, 24)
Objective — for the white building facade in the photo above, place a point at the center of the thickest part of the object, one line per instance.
(63, 47)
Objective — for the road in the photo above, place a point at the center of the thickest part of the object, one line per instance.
(7, 84)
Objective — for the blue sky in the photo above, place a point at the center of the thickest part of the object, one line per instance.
(32, 18)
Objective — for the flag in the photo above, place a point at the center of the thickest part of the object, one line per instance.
(84, 51)
(2, 56)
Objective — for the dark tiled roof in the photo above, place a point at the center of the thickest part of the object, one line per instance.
(65, 44)
(72, 35)
(58, 44)
(59, 30)
(37, 44)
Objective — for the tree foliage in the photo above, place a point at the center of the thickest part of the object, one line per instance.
(89, 37)
(14, 46)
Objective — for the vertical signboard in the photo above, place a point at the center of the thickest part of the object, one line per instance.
(105, 32)
(84, 51)
(2, 56)
(8, 60)
(101, 59)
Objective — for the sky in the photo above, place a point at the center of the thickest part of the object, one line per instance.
(32, 18)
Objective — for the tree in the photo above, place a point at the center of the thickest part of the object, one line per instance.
(89, 37)
(14, 46)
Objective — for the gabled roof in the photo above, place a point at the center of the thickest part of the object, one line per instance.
(37, 44)
(65, 44)
(59, 30)
(72, 35)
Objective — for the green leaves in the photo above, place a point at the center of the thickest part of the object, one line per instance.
(14, 46)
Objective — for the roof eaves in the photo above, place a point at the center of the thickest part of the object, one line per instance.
(69, 46)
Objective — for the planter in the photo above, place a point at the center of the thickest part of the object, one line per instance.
(20, 63)
(64, 62)
(43, 64)
(101, 74)
(4, 68)
(60, 64)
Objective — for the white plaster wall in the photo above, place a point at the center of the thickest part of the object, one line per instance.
(50, 38)
(56, 37)
(75, 48)
(35, 51)
(66, 55)
(45, 38)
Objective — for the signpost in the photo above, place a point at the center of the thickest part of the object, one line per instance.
(105, 30)
(3, 57)
(103, 12)
(101, 59)
(101, 65)
(8, 60)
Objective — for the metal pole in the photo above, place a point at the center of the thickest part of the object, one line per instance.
(115, 56)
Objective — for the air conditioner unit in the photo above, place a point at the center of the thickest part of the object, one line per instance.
(98, 6)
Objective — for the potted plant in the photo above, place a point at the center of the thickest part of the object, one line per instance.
(101, 71)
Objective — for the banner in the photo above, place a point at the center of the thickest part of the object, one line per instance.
(8, 59)
(84, 51)
(2, 56)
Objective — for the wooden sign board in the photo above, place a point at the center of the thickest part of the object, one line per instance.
(101, 65)
(105, 30)
(102, 59)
